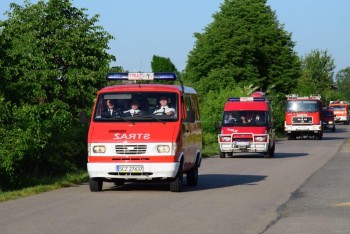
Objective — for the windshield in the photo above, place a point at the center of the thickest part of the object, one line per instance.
(244, 118)
(302, 106)
(339, 108)
(328, 113)
(137, 107)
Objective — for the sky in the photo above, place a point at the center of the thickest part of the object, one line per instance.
(143, 28)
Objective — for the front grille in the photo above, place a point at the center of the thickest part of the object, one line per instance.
(302, 120)
(130, 149)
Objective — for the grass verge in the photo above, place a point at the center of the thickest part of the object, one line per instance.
(46, 184)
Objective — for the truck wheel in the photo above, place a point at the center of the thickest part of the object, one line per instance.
(318, 136)
(222, 154)
(192, 176)
(333, 129)
(95, 184)
(289, 136)
(270, 152)
(176, 185)
(119, 182)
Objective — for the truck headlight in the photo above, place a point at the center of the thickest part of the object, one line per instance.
(330, 122)
(261, 138)
(163, 148)
(225, 139)
(99, 149)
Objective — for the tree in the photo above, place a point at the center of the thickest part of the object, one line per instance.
(53, 60)
(246, 43)
(317, 73)
(161, 64)
(342, 80)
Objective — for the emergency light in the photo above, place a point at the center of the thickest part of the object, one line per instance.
(141, 76)
(246, 99)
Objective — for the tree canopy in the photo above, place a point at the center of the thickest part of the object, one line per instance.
(52, 62)
(245, 43)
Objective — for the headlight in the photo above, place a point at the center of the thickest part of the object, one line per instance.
(99, 149)
(163, 148)
(260, 139)
(330, 122)
(225, 138)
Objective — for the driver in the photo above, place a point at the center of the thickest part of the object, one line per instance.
(164, 109)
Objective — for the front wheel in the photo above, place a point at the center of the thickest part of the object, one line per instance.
(222, 154)
(95, 184)
(176, 185)
(270, 152)
(192, 176)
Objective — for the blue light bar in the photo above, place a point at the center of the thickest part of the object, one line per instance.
(141, 76)
(246, 99)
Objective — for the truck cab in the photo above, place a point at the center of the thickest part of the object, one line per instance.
(150, 132)
(303, 116)
(247, 126)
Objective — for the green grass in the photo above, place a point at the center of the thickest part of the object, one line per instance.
(46, 184)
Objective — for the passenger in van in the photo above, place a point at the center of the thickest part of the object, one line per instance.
(134, 109)
(164, 109)
(111, 110)
(230, 118)
(259, 119)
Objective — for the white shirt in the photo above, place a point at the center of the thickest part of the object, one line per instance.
(164, 109)
(132, 111)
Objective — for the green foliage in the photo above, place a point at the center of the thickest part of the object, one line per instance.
(246, 41)
(343, 83)
(161, 64)
(53, 61)
(317, 74)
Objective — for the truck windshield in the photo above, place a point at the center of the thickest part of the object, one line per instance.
(137, 107)
(244, 118)
(302, 106)
(339, 108)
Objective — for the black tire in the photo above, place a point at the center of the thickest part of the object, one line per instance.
(176, 185)
(222, 154)
(270, 153)
(318, 136)
(95, 184)
(192, 176)
(119, 182)
(289, 136)
(333, 129)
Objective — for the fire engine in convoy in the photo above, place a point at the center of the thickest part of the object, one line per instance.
(158, 139)
(341, 111)
(247, 126)
(303, 116)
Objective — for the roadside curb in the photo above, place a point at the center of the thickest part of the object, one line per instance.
(345, 147)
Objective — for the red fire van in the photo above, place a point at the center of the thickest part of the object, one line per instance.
(247, 126)
(144, 132)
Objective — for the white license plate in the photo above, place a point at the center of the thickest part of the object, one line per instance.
(122, 168)
(302, 128)
(242, 143)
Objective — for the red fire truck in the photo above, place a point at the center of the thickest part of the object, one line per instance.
(247, 126)
(144, 132)
(341, 111)
(303, 116)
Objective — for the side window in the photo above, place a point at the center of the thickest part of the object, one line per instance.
(195, 108)
(188, 109)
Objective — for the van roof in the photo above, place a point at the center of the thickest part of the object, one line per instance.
(146, 87)
(249, 105)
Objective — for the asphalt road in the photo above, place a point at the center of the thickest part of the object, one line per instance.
(303, 189)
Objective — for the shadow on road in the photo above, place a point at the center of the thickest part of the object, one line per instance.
(205, 182)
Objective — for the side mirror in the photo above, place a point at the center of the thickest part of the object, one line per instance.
(190, 116)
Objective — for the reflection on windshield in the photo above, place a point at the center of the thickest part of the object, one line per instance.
(137, 107)
(338, 108)
(244, 118)
(302, 106)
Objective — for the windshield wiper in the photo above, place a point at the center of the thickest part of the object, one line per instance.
(151, 117)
